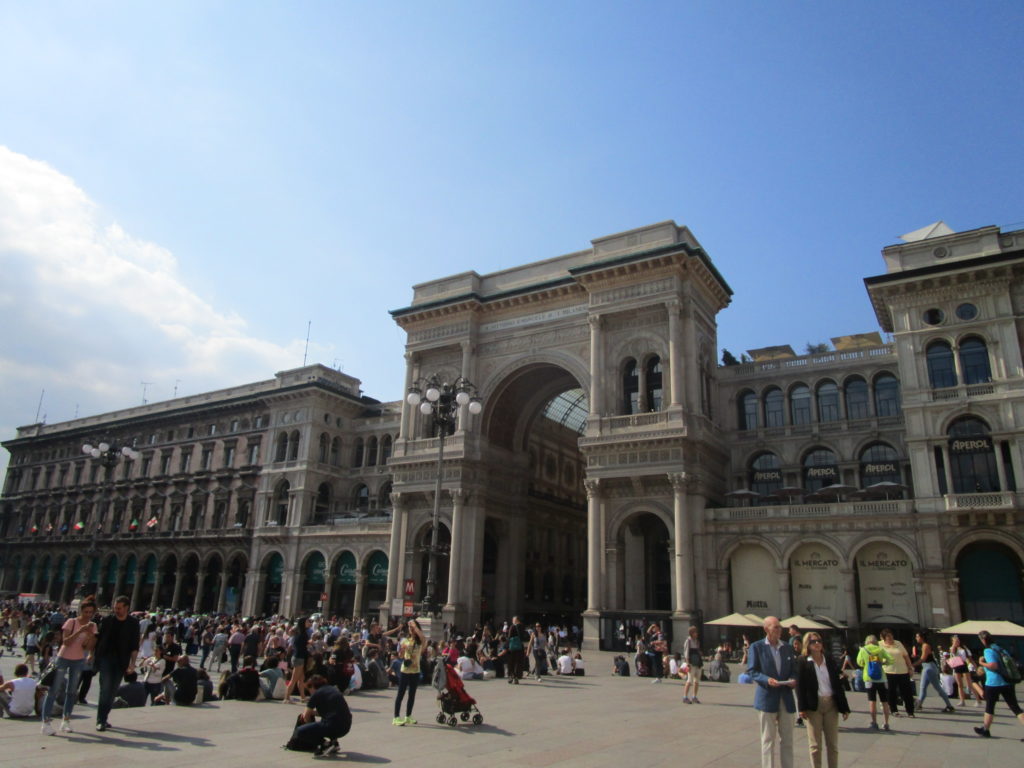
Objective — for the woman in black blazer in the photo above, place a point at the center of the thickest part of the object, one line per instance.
(820, 699)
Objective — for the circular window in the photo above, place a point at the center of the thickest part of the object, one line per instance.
(933, 316)
(967, 311)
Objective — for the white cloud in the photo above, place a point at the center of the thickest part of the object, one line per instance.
(89, 311)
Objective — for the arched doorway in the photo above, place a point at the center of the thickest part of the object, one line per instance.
(643, 576)
(313, 583)
(148, 577)
(343, 591)
(816, 582)
(168, 576)
(189, 582)
(376, 585)
(235, 576)
(444, 542)
(990, 582)
(209, 590)
(754, 581)
(533, 422)
(273, 573)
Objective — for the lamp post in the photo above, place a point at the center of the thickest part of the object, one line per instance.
(107, 454)
(441, 401)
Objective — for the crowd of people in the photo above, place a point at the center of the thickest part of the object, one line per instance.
(147, 658)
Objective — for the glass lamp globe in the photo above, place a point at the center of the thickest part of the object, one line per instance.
(433, 394)
(425, 408)
(104, 447)
(462, 397)
(475, 406)
(87, 448)
(414, 397)
(95, 453)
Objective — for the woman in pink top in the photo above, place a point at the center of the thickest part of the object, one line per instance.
(79, 638)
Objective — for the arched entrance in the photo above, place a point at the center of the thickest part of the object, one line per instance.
(209, 590)
(313, 582)
(148, 577)
(530, 553)
(168, 577)
(343, 591)
(272, 576)
(376, 575)
(235, 586)
(644, 572)
(990, 582)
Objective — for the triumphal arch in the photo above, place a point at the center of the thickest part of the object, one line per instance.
(580, 487)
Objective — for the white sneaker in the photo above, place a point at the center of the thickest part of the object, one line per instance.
(65, 726)
(47, 728)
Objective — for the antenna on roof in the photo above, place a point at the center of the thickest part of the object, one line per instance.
(40, 406)
(176, 383)
(144, 384)
(305, 352)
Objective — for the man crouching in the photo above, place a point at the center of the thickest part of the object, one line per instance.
(321, 738)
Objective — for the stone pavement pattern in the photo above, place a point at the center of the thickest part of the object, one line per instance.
(593, 721)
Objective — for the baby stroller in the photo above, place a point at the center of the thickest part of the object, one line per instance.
(452, 698)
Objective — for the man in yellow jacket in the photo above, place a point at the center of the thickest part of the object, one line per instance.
(872, 658)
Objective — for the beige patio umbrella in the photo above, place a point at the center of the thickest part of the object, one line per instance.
(735, 620)
(974, 626)
(803, 622)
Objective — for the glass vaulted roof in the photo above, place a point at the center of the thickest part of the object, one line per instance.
(569, 409)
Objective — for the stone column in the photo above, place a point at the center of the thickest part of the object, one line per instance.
(178, 581)
(396, 550)
(158, 578)
(1000, 465)
(613, 577)
(785, 599)
(197, 604)
(675, 358)
(455, 590)
(118, 581)
(49, 581)
(137, 587)
(65, 592)
(690, 352)
(850, 588)
(683, 593)
(593, 545)
(462, 420)
(222, 592)
(250, 596)
(408, 411)
(947, 467)
(595, 365)
(357, 599)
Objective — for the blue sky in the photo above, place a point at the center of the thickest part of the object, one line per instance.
(183, 186)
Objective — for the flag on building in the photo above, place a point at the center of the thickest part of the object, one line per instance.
(152, 522)
(33, 529)
(79, 526)
(134, 526)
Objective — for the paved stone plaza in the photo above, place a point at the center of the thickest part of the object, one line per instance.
(598, 720)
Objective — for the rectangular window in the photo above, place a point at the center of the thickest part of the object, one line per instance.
(229, 455)
(234, 425)
(94, 474)
(940, 470)
(207, 458)
(211, 429)
(191, 432)
(165, 464)
(147, 463)
(254, 453)
(186, 459)
(78, 475)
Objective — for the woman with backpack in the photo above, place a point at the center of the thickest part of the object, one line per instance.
(1001, 674)
(410, 648)
(929, 672)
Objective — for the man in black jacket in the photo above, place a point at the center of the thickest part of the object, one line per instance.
(117, 645)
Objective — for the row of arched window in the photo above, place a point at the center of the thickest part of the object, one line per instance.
(819, 468)
(969, 364)
(365, 453)
(827, 402)
(326, 506)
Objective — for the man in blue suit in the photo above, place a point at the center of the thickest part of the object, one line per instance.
(772, 666)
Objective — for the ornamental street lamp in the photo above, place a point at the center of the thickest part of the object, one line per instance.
(441, 401)
(107, 454)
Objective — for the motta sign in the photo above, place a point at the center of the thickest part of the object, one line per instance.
(970, 445)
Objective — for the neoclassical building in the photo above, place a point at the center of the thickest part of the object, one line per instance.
(616, 472)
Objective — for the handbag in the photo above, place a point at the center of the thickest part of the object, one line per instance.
(956, 662)
(49, 674)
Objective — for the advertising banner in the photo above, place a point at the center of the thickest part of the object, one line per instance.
(886, 581)
(755, 584)
(816, 582)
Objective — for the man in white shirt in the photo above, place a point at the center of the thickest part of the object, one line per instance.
(20, 697)
(566, 665)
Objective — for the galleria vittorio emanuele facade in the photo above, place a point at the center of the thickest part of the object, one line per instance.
(617, 471)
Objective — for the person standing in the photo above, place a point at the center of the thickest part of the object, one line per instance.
(959, 663)
(694, 664)
(538, 648)
(900, 684)
(821, 699)
(410, 649)
(300, 652)
(117, 645)
(771, 665)
(929, 673)
(79, 638)
(516, 649)
(996, 685)
(873, 659)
